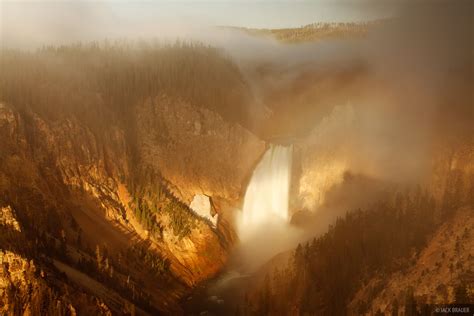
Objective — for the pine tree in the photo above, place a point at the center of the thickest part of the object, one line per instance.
(265, 297)
(98, 257)
(395, 308)
(460, 294)
(410, 303)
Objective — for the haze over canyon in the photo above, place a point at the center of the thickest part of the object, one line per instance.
(236, 158)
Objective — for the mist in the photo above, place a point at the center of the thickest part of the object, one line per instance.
(410, 84)
(32, 24)
(410, 94)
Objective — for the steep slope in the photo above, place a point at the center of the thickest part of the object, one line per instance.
(27, 288)
(410, 248)
(101, 185)
(437, 275)
(214, 157)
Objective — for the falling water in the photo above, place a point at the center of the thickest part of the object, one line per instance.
(266, 198)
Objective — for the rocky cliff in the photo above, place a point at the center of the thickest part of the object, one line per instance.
(196, 149)
(103, 148)
(93, 214)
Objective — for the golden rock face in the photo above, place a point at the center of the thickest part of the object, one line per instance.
(193, 149)
(7, 218)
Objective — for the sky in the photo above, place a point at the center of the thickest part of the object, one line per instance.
(37, 21)
(258, 14)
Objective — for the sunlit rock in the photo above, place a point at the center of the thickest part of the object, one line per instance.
(7, 218)
(182, 141)
(201, 204)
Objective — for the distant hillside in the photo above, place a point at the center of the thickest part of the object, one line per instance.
(315, 31)
(442, 272)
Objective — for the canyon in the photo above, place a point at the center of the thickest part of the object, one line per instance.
(312, 176)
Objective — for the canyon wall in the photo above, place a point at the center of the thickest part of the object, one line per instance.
(100, 207)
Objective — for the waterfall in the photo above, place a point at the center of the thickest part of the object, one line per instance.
(267, 195)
